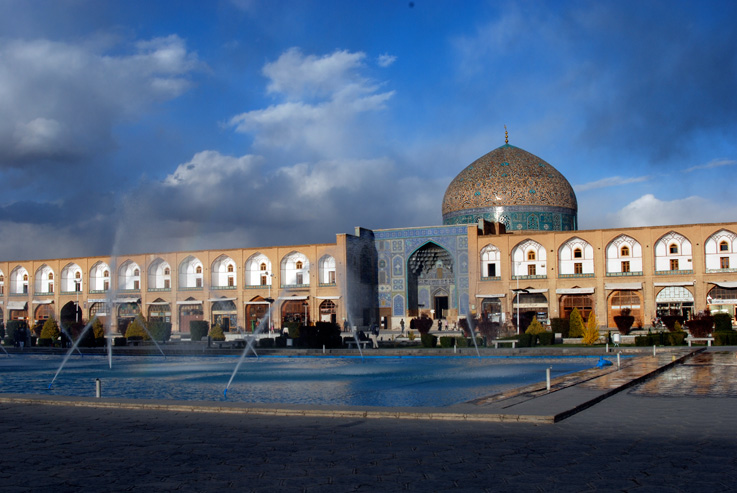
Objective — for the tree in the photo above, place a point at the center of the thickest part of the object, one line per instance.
(216, 333)
(50, 329)
(591, 334)
(535, 327)
(98, 330)
(136, 329)
(576, 324)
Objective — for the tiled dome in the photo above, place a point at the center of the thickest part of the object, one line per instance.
(511, 186)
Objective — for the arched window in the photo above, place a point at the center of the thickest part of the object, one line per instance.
(51, 276)
(673, 248)
(531, 255)
(136, 272)
(25, 277)
(199, 269)
(230, 268)
(723, 246)
(106, 273)
(167, 272)
(298, 265)
(78, 275)
(625, 251)
(262, 266)
(577, 253)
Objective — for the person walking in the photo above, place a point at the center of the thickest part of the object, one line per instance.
(401, 324)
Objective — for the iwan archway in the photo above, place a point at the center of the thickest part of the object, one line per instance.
(430, 281)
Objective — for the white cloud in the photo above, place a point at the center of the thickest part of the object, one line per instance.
(651, 211)
(60, 101)
(611, 181)
(323, 98)
(386, 60)
(715, 163)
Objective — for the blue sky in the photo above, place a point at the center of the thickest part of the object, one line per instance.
(135, 127)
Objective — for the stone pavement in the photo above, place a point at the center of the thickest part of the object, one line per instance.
(636, 440)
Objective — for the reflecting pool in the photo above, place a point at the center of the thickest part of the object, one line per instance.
(411, 381)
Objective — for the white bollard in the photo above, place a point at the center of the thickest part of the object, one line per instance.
(547, 376)
(653, 350)
(455, 349)
(98, 388)
(618, 361)
(323, 349)
(607, 348)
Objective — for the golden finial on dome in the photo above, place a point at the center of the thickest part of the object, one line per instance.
(506, 135)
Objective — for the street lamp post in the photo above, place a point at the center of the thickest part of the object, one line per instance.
(270, 300)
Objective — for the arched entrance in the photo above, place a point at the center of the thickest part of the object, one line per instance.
(127, 312)
(189, 310)
(70, 314)
(225, 314)
(17, 310)
(295, 310)
(327, 311)
(159, 311)
(43, 312)
(722, 299)
(99, 310)
(674, 301)
(529, 304)
(491, 310)
(584, 303)
(257, 311)
(618, 300)
(430, 280)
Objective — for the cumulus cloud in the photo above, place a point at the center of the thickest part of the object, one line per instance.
(322, 98)
(60, 101)
(648, 210)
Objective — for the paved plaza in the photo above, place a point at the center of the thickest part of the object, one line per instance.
(675, 432)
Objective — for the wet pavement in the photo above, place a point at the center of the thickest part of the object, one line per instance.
(660, 435)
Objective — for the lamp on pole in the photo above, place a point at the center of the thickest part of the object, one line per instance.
(270, 300)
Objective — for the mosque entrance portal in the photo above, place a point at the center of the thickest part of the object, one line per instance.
(431, 281)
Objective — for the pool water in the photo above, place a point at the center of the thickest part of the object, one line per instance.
(336, 381)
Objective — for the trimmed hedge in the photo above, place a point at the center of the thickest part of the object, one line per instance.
(560, 326)
(725, 338)
(447, 341)
(429, 340)
(661, 339)
(198, 329)
(266, 342)
(722, 322)
(526, 340)
(160, 331)
(546, 338)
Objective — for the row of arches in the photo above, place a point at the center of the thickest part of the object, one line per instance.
(624, 256)
(223, 312)
(669, 300)
(294, 272)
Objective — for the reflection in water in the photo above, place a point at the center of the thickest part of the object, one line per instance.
(709, 374)
(383, 381)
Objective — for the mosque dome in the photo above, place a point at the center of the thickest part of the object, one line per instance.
(511, 186)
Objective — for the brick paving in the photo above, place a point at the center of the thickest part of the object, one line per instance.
(637, 440)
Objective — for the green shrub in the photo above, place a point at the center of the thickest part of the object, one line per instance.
(677, 338)
(45, 342)
(198, 329)
(160, 330)
(137, 330)
(423, 324)
(560, 326)
(293, 328)
(50, 329)
(535, 327)
(429, 340)
(266, 342)
(526, 340)
(216, 333)
(13, 327)
(722, 322)
(576, 324)
(119, 341)
(725, 338)
(280, 341)
(546, 338)
(461, 342)
(2, 331)
(447, 341)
